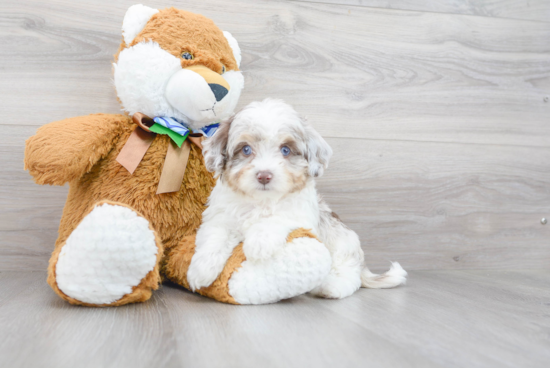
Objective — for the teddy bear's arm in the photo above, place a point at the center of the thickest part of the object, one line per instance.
(65, 150)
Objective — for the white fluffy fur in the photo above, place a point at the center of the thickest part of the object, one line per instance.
(135, 19)
(240, 209)
(395, 276)
(141, 75)
(150, 80)
(294, 269)
(89, 268)
(198, 108)
(234, 46)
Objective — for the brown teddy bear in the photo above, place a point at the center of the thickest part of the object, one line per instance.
(138, 184)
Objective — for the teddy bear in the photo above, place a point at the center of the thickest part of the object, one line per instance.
(137, 181)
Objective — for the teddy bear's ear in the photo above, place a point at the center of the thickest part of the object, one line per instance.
(234, 46)
(135, 19)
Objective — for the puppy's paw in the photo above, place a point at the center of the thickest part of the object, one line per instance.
(261, 242)
(204, 269)
(337, 287)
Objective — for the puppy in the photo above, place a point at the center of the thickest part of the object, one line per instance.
(266, 159)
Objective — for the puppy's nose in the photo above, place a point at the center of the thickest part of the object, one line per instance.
(264, 177)
(219, 91)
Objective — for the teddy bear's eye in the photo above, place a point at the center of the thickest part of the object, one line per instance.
(223, 69)
(187, 56)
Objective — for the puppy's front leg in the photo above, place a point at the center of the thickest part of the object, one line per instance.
(265, 237)
(213, 247)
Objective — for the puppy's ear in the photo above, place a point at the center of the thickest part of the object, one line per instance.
(215, 149)
(318, 152)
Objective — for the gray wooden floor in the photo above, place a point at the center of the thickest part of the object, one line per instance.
(440, 319)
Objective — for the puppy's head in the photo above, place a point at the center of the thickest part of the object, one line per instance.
(266, 150)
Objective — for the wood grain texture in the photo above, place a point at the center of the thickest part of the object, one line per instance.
(441, 206)
(538, 10)
(440, 319)
(427, 205)
(438, 121)
(382, 74)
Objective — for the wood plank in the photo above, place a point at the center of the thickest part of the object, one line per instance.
(435, 205)
(26, 250)
(23, 204)
(293, 333)
(15, 136)
(461, 319)
(379, 74)
(427, 205)
(177, 328)
(40, 329)
(538, 10)
(440, 319)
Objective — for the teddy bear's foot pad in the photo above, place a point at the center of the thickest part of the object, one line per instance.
(294, 270)
(106, 256)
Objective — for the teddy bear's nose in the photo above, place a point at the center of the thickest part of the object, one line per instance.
(219, 91)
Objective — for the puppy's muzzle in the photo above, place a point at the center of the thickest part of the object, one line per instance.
(264, 177)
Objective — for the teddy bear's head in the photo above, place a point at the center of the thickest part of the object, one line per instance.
(177, 64)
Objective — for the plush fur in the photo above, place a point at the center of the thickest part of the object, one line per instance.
(89, 264)
(301, 265)
(82, 151)
(62, 151)
(135, 19)
(268, 139)
(294, 269)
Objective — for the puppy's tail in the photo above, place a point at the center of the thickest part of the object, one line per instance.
(395, 276)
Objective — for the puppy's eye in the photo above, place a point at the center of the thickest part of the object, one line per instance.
(285, 150)
(187, 56)
(247, 150)
(223, 69)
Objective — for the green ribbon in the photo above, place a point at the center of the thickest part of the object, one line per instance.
(178, 139)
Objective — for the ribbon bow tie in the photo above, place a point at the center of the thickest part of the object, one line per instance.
(178, 130)
(177, 155)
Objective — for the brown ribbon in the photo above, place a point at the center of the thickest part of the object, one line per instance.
(133, 151)
(176, 157)
(174, 167)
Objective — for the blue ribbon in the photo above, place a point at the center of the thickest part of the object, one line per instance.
(181, 128)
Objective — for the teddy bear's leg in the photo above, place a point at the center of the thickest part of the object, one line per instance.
(301, 265)
(111, 258)
(297, 268)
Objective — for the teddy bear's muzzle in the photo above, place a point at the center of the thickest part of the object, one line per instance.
(216, 82)
(195, 91)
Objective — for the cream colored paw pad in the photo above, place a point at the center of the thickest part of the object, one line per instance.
(294, 270)
(109, 252)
